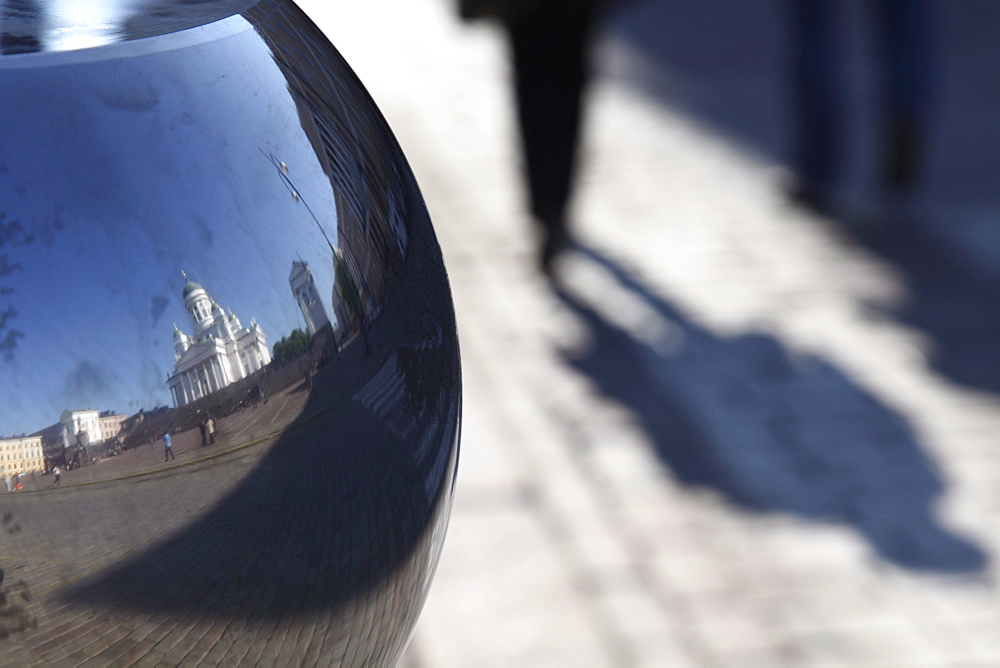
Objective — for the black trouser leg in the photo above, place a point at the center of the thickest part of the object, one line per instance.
(550, 48)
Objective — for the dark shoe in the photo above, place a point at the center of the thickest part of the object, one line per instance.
(809, 197)
(555, 240)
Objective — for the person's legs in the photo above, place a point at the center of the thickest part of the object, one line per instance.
(814, 85)
(550, 52)
(904, 30)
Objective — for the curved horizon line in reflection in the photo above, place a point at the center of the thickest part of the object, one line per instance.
(295, 424)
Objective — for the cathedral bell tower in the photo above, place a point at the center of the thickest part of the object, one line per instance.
(180, 343)
(198, 305)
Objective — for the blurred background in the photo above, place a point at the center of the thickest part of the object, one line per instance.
(752, 416)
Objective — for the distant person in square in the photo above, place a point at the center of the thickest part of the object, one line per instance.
(168, 450)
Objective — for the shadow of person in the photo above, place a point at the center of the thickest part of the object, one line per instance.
(769, 432)
(948, 299)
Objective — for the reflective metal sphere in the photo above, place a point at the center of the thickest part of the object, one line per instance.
(229, 377)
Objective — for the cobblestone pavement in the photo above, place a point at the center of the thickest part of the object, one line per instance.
(734, 437)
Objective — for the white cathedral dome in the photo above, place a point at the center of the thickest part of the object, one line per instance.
(190, 288)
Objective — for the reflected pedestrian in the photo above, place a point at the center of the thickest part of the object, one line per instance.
(168, 450)
(210, 426)
(57, 475)
(203, 427)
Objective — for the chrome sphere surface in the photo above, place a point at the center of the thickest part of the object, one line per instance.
(230, 387)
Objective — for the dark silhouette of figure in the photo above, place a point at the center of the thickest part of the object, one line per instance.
(770, 433)
(902, 29)
(550, 52)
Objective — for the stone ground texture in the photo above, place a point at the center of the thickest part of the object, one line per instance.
(719, 443)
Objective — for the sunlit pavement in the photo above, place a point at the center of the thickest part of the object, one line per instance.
(718, 445)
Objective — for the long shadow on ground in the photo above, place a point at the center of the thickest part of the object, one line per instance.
(770, 433)
(726, 64)
(948, 299)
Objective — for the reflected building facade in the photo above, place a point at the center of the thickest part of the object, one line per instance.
(21, 454)
(84, 427)
(110, 425)
(221, 351)
(81, 427)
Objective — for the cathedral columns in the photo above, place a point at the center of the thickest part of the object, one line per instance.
(209, 384)
(188, 387)
(220, 372)
(200, 381)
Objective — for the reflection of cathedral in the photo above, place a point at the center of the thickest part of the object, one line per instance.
(220, 352)
(304, 289)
